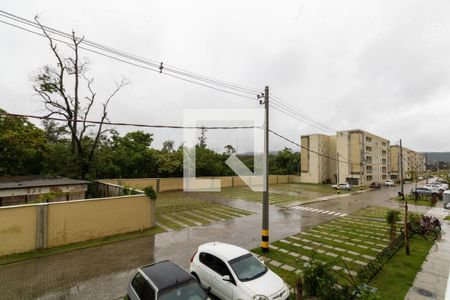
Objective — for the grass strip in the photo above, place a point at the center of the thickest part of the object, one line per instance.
(397, 276)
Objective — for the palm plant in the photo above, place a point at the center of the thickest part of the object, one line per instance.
(392, 217)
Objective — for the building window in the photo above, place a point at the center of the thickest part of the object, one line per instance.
(383, 144)
(383, 152)
(369, 178)
(368, 139)
(368, 148)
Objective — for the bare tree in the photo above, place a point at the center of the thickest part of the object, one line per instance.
(59, 88)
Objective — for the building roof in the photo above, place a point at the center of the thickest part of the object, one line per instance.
(35, 181)
(166, 274)
(357, 130)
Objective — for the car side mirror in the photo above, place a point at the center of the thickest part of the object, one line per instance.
(226, 278)
(262, 261)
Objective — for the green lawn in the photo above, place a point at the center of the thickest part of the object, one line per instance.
(275, 197)
(177, 210)
(422, 201)
(355, 239)
(282, 194)
(396, 277)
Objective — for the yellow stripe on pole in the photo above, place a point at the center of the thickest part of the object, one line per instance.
(265, 232)
(264, 244)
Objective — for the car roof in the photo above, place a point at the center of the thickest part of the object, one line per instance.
(225, 250)
(165, 274)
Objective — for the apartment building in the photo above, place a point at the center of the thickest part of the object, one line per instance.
(412, 162)
(363, 157)
(353, 156)
(318, 165)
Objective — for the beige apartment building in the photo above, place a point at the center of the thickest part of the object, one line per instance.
(412, 162)
(353, 156)
(318, 165)
(363, 157)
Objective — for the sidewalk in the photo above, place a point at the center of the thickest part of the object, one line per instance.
(432, 281)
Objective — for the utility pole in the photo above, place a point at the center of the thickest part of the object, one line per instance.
(401, 169)
(426, 166)
(337, 173)
(265, 206)
(406, 202)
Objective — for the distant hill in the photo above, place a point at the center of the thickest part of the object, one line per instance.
(438, 156)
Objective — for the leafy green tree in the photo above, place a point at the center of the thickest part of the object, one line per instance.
(22, 146)
(133, 155)
(170, 164)
(168, 146)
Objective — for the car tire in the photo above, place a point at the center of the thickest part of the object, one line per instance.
(196, 278)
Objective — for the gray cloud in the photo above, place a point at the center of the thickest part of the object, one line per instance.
(381, 66)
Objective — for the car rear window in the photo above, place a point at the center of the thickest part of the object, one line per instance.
(189, 290)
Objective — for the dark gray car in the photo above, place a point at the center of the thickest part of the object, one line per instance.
(164, 281)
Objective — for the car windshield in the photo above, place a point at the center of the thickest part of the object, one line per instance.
(247, 267)
(189, 290)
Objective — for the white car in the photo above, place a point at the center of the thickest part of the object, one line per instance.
(389, 183)
(233, 273)
(342, 186)
(440, 185)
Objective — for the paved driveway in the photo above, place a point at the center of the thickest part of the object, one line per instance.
(103, 272)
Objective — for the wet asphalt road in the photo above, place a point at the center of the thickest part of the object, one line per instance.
(103, 272)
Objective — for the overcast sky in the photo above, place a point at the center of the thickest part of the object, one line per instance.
(381, 66)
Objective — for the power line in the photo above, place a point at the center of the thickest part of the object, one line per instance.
(222, 86)
(283, 110)
(125, 124)
(168, 70)
(300, 114)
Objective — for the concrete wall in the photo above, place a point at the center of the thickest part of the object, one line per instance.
(18, 228)
(29, 227)
(115, 187)
(78, 221)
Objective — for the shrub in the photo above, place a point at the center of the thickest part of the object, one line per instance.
(150, 192)
(319, 281)
(414, 221)
(392, 217)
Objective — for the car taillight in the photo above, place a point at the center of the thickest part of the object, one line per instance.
(192, 258)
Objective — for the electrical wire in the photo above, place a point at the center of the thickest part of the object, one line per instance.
(283, 110)
(300, 114)
(171, 71)
(124, 124)
(178, 73)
